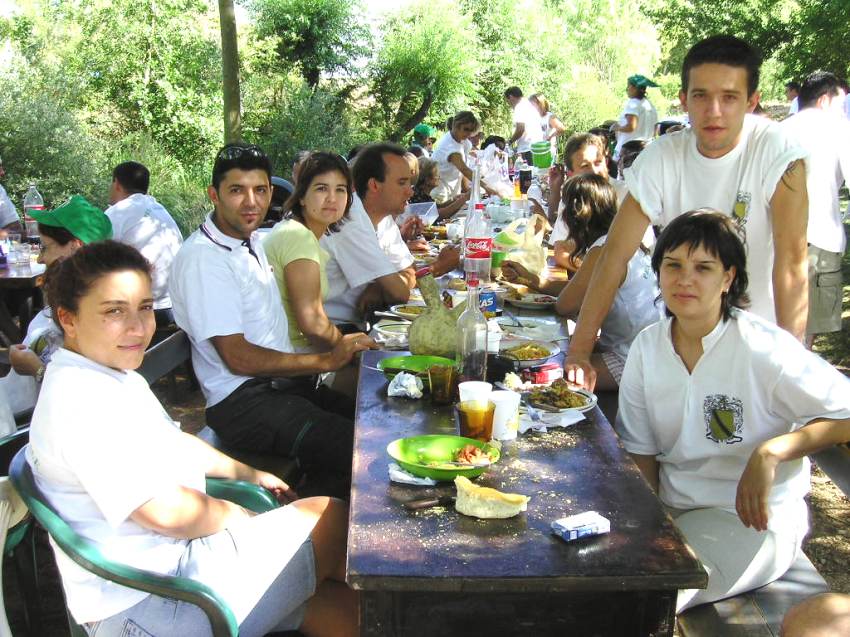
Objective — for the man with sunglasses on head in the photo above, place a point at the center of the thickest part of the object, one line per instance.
(261, 396)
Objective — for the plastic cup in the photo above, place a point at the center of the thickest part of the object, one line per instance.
(474, 390)
(442, 380)
(475, 419)
(506, 416)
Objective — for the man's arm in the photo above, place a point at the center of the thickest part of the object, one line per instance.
(396, 286)
(789, 208)
(623, 240)
(519, 129)
(246, 359)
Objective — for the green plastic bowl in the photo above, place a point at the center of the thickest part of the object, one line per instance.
(411, 363)
(414, 454)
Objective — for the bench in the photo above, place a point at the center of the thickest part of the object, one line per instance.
(176, 350)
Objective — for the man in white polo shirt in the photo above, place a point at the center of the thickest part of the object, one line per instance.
(260, 395)
(822, 130)
(526, 119)
(370, 265)
(742, 165)
(141, 221)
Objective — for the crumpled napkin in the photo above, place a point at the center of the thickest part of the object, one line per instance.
(405, 385)
(397, 474)
(539, 420)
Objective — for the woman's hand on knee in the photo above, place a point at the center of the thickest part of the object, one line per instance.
(754, 489)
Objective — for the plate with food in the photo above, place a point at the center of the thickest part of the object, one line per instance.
(408, 311)
(561, 396)
(443, 456)
(412, 364)
(532, 301)
(528, 353)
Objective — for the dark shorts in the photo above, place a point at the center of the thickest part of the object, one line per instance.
(294, 419)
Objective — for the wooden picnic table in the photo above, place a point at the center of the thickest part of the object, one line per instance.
(436, 572)
(20, 283)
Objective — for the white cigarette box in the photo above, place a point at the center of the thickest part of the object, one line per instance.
(581, 525)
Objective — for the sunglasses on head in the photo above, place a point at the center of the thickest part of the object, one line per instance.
(230, 153)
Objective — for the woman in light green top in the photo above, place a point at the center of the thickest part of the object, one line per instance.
(320, 203)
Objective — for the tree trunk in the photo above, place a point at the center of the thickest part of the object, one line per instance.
(417, 117)
(230, 73)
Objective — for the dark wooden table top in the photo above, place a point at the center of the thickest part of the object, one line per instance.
(21, 277)
(565, 471)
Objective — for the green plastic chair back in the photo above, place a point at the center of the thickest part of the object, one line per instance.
(9, 446)
(85, 554)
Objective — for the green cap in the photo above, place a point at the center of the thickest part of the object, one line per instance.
(641, 81)
(425, 131)
(82, 219)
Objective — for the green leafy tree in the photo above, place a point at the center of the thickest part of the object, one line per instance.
(819, 39)
(316, 36)
(426, 66)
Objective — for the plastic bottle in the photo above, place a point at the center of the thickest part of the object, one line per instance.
(477, 246)
(32, 202)
(471, 355)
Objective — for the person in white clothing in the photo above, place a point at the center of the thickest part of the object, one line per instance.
(526, 120)
(592, 205)
(261, 395)
(141, 221)
(792, 94)
(821, 129)
(122, 474)
(551, 126)
(639, 117)
(719, 409)
(727, 160)
(452, 154)
(9, 219)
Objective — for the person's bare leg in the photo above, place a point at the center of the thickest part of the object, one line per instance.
(332, 612)
(826, 615)
(604, 380)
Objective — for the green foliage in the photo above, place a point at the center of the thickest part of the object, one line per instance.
(316, 36)
(819, 41)
(426, 66)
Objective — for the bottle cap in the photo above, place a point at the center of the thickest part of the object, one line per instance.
(472, 281)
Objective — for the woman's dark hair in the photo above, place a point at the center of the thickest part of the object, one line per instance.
(641, 90)
(590, 205)
(60, 235)
(717, 234)
(69, 280)
(427, 166)
(312, 166)
(500, 142)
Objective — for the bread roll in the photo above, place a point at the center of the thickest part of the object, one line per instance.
(484, 502)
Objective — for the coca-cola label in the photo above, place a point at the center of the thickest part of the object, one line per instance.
(477, 248)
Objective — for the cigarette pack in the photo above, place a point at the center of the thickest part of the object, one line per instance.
(543, 374)
(581, 525)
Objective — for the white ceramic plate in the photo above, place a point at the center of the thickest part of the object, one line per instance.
(403, 312)
(533, 301)
(554, 350)
(591, 400)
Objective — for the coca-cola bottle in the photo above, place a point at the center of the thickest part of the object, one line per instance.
(477, 246)
(471, 356)
(33, 202)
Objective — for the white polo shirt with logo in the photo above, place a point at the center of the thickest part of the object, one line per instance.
(219, 287)
(753, 382)
(671, 177)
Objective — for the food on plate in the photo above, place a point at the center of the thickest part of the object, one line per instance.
(527, 352)
(457, 284)
(484, 502)
(559, 395)
(513, 381)
(414, 310)
(432, 232)
(473, 455)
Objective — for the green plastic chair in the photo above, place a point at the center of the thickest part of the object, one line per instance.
(85, 554)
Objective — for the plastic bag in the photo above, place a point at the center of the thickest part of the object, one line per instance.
(526, 245)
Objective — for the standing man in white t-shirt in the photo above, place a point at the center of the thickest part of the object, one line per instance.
(821, 129)
(526, 119)
(141, 221)
(260, 394)
(792, 94)
(9, 219)
(743, 166)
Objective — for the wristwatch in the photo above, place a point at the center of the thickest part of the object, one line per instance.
(39, 374)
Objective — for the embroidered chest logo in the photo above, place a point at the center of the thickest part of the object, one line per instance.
(724, 418)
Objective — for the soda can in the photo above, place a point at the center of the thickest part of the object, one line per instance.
(487, 302)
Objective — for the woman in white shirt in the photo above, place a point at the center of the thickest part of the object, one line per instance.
(551, 125)
(452, 153)
(718, 408)
(639, 117)
(590, 204)
(124, 476)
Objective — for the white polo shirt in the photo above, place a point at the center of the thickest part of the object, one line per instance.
(142, 222)
(392, 243)
(826, 137)
(219, 288)
(356, 259)
(101, 445)
(753, 382)
(525, 113)
(8, 214)
(671, 177)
